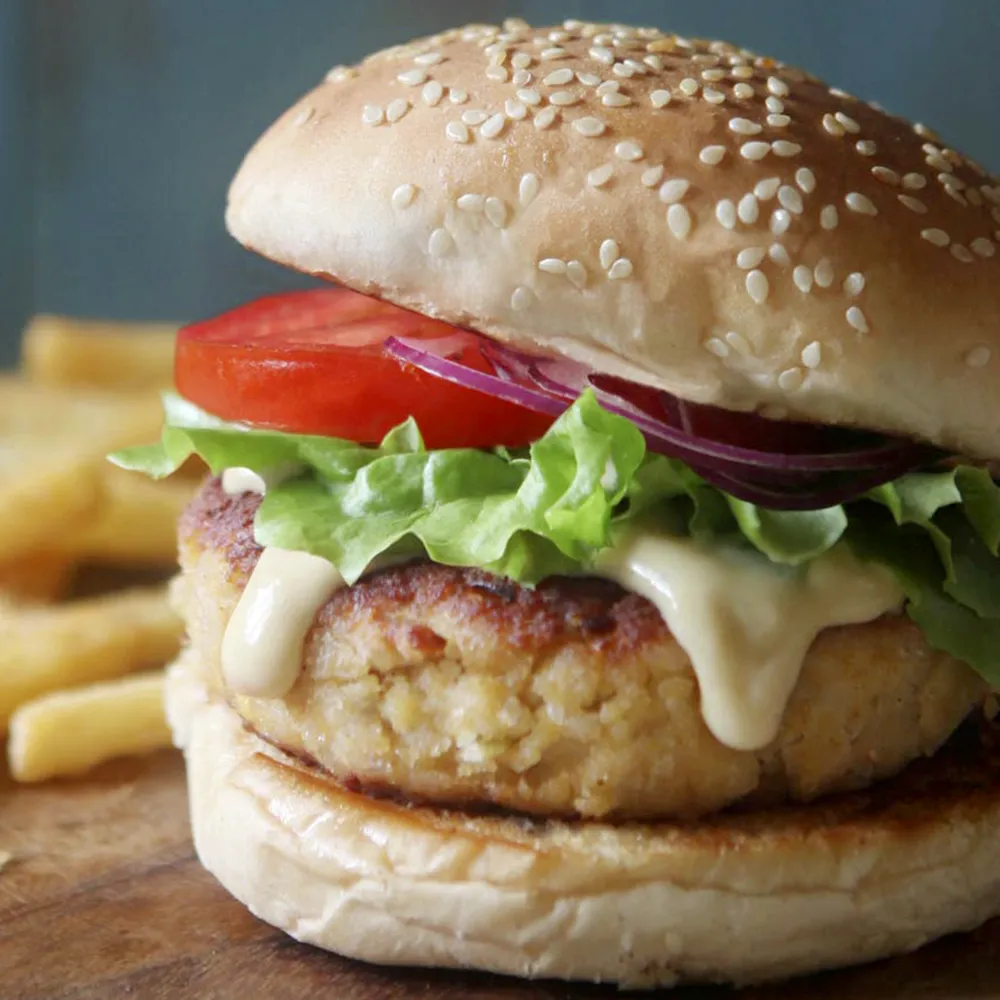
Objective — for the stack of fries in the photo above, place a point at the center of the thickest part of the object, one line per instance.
(78, 683)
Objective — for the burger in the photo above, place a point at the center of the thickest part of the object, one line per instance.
(599, 579)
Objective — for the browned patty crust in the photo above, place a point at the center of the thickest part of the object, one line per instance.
(453, 685)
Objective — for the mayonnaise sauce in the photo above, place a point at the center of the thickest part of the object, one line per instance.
(745, 623)
(239, 480)
(262, 647)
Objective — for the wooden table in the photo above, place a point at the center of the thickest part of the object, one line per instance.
(104, 899)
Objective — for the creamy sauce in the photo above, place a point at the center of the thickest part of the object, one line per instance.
(239, 480)
(745, 623)
(262, 647)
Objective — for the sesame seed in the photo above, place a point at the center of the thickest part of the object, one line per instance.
(743, 126)
(791, 199)
(712, 156)
(936, 236)
(620, 269)
(521, 78)
(428, 59)
(755, 150)
(339, 74)
(984, 247)
(781, 220)
(743, 91)
(790, 379)
(608, 253)
(758, 287)
(521, 298)
(748, 209)
(689, 86)
(950, 180)
(306, 115)
(652, 176)
(546, 117)
(779, 121)
(528, 95)
(713, 75)
(623, 70)
(829, 217)
(782, 147)
(823, 273)
(654, 62)
(372, 114)
(913, 204)
(589, 126)
(847, 122)
(493, 125)
(600, 176)
(496, 212)
(440, 243)
(474, 117)
(516, 110)
(805, 179)
(613, 99)
(717, 347)
(520, 60)
(554, 53)
(832, 125)
(660, 98)
(914, 182)
(559, 77)
(775, 105)
(857, 319)
(766, 189)
(962, 253)
(552, 265)
(602, 54)
(812, 354)
(413, 77)
(886, 175)
(739, 343)
(403, 196)
(629, 150)
(725, 214)
(564, 98)
(742, 72)
(854, 284)
(751, 257)
(978, 357)
(471, 202)
(803, 278)
(957, 195)
(837, 92)
(458, 96)
(860, 203)
(607, 87)
(938, 162)
(779, 255)
(679, 221)
(576, 273)
(432, 93)
(777, 86)
(527, 190)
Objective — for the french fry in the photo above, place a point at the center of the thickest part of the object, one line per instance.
(52, 447)
(58, 351)
(136, 524)
(70, 732)
(40, 578)
(44, 649)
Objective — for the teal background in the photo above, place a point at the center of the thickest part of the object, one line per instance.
(121, 121)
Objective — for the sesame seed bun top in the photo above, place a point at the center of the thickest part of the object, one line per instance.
(684, 213)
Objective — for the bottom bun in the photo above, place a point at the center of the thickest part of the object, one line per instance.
(735, 898)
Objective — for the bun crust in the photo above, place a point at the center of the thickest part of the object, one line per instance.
(796, 890)
(681, 213)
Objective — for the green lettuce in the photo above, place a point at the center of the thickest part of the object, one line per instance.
(531, 513)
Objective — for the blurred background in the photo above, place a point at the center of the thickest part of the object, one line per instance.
(121, 121)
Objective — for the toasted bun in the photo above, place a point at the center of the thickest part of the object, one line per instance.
(740, 898)
(533, 184)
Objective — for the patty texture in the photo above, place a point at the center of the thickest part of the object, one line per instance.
(449, 685)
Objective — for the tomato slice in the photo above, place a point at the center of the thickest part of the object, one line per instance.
(313, 363)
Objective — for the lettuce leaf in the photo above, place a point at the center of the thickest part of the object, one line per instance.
(550, 509)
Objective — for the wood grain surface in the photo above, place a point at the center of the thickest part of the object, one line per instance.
(104, 899)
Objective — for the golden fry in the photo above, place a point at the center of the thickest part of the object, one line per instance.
(58, 351)
(70, 732)
(39, 578)
(43, 649)
(136, 524)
